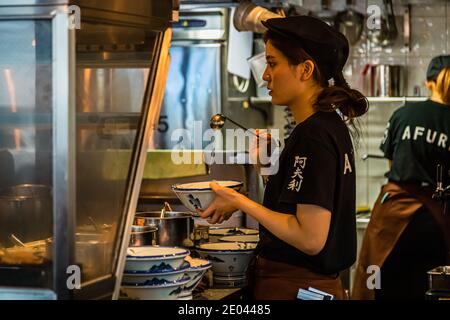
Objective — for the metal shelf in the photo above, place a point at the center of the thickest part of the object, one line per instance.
(39, 118)
(396, 99)
(267, 99)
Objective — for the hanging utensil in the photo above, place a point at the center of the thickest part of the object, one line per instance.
(385, 33)
(350, 23)
(391, 24)
(326, 14)
(96, 227)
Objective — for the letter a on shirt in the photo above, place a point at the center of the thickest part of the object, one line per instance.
(347, 165)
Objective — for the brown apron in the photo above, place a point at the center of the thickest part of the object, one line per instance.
(392, 212)
(281, 281)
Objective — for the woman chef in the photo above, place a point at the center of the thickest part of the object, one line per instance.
(307, 220)
(408, 230)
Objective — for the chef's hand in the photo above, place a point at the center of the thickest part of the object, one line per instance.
(223, 205)
(261, 148)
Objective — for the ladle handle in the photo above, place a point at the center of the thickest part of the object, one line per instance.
(16, 240)
(166, 207)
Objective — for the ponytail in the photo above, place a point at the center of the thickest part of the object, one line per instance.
(349, 102)
(443, 85)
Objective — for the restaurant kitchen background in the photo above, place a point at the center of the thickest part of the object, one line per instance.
(87, 118)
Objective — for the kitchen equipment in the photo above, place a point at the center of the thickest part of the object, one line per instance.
(142, 236)
(372, 156)
(26, 212)
(201, 234)
(175, 229)
(439, 279)
(350, 22)
(92, 252)
(391, 24)
(326, 14)
(385, 31)
(258, 65)
(386, 80)
(194, 93)
(248, 17)
(71, 96)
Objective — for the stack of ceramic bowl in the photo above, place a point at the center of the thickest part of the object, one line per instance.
(218, 234)
(155, 273)
(230, 261)
(196, 271)
(199, 195)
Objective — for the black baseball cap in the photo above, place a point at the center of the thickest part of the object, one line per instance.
(327, 46)
(436, 65)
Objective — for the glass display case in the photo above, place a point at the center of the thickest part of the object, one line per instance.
(78, 107)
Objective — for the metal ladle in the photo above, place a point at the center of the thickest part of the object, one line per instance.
(17, 240)
(164, 209)
(96, 227)
(218, 121)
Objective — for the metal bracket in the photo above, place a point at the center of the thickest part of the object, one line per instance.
(407, 27)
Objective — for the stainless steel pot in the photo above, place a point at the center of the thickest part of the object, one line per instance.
(387, 80)
(439, 278)
(93, 253)
(142, 236)
(25, 211)
(174, 228)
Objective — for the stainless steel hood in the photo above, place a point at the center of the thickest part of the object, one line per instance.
(154, 15)
(74, 101)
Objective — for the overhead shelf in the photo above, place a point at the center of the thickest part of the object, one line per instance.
(267, 99)
(396, 99)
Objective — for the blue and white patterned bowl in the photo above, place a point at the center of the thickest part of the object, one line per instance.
(167, 291)
(216, 233)
(196, 273)
(154, 278)
(154, 259)
(250, 238)
(228, 258)
(199, 195)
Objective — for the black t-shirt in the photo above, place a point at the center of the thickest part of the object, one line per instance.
(417, 139)
(316, 167)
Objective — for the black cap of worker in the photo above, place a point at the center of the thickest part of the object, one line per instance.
(327, 46)
(436, 65)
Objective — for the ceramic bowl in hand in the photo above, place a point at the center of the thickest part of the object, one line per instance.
(154, 259)
(199, 195)
(227, 258)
